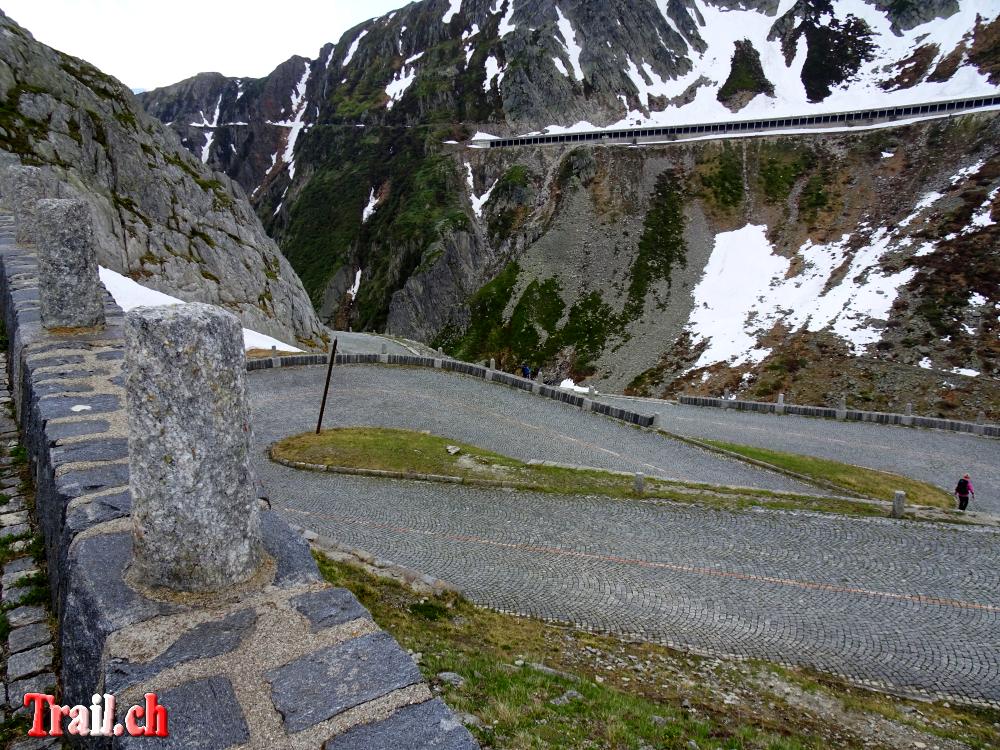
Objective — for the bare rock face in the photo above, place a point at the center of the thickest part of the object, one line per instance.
(195, 516)
(159, 215)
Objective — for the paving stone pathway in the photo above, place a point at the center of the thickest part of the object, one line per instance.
(912, 606)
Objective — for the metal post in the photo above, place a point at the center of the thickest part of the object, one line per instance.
(326, 388)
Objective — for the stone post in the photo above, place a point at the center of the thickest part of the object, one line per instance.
(586, 404)
(842, 408)
(538, 376)
(384, 349)
(725, 399)
(195, 519)
(908, 415)
(69, 287)
(493, 363)
(898, 503)
(639, 483)
(437, 364)
(779, 408)
(23, 187)
(590, 391)
(657, 421)
(980, 424)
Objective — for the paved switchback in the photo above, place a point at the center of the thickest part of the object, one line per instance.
(938, 457)
(915, 606)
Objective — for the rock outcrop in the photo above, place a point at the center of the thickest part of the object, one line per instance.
(160, 215)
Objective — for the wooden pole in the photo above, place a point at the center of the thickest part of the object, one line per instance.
(326, 388)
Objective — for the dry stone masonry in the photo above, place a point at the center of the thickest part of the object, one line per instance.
(284, 660)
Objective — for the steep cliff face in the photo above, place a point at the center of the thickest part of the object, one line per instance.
(864, 264)
(162, 217)
(580, 260)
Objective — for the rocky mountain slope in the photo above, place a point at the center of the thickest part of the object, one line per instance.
(591, 261)
(162, 217)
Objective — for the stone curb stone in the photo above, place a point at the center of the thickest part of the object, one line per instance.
(29, 662)
(424, 725)
(363, 669)
(21, 639)
(186, 707)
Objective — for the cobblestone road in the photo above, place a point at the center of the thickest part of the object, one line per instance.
(935, 456)
(915, 606)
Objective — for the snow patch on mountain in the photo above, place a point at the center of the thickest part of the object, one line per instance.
(573, 49)
(129, 294)
(370, 209)
(354, 48)
(746, 290)
(453, 10)
(478, 201)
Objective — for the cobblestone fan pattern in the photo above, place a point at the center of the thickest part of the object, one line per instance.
(911, 606)
(488, 415)
(246, 652)
(933, 456)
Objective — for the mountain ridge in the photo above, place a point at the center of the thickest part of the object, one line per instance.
(393, 225)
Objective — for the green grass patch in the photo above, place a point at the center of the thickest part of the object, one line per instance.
(386, 449)
(872, 482)
(628, 695)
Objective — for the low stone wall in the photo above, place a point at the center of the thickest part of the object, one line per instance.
(283, 660)
(852, 415)
(463, 368)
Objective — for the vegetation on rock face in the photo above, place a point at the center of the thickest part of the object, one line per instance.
(418, 192)
(662, 244)
(746, 76)
(725, 181)
(836, 48)
(781, 165)
(531, 335)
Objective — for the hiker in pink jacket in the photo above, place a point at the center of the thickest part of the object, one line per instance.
(962, 491)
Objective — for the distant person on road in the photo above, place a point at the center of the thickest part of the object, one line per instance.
(962, 491)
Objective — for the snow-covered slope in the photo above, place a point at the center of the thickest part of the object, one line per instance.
(893, 67)
(129, 294)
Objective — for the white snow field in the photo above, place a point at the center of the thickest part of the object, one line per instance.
(129, 294)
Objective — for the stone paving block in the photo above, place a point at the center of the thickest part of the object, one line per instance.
(425, 726)
(36, 743)
(94, 479)
(14, 594)
(75, 429)
(329, 681)
(71, 406)
(14, 519)
(40, 683)
(295, 563)
(201, 715)
(329, 607)
(98, 510)
(98, 602)
(26, 616)
(12, 579)
(14, 504)
(18, 565)
(29, 662)
(202, 642)
(100, 449)
(30, 636)
(9, 531)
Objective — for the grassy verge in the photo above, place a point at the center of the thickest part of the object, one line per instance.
(871, 482)
(530, 684)
(417, 452)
